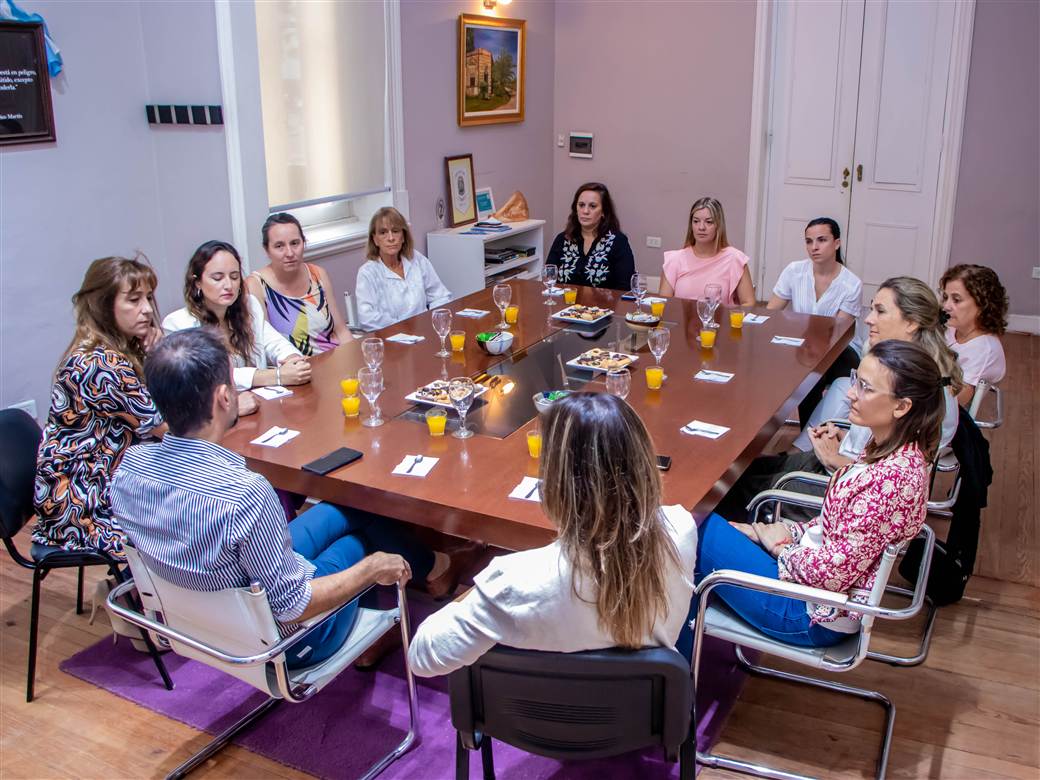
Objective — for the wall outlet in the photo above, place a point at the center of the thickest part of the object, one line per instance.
(1036, 271)
(26, 406)
(560, 140)
(654, 241)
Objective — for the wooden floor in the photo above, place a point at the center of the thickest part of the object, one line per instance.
(971, 711)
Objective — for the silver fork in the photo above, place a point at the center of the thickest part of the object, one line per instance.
(273, 435)
(417, 459)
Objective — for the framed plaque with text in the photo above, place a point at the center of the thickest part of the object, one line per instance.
(26, 114)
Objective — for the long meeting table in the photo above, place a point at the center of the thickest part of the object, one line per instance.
(466, 493)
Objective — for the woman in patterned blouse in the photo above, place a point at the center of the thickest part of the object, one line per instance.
(876, 501)
(99, 406)
(592, 250)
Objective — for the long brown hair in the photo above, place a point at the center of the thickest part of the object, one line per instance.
(717, 214)
(601, 487)
(609, 220)
(238, 322)
(94, 304)
(395, 219)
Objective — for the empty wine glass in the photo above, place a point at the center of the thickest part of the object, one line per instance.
(659, 338)
(442, 326)
(370, 381)
(706, 312)
(460, 391)
(549, 275)
(502, 295)
(713, 292)
(639, 290)
(372, 350)
(619, 381)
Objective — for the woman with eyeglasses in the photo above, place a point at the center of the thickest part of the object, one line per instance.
(877, 500)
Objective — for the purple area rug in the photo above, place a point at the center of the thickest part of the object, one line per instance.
(361, 715)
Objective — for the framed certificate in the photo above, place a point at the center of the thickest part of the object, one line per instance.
(460, 189)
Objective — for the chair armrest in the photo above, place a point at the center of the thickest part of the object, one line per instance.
(782, 497)
(983, 388)
(136, 618)
(921, 585)
(794, 590)
(802, 477)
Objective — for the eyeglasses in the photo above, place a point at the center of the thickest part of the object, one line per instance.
(861, 388)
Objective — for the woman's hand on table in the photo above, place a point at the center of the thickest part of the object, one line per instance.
(295, 370)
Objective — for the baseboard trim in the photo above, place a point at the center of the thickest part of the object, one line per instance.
(1024, 323)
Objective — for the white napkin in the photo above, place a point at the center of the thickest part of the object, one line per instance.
(473, 313)
(698, 428)
(788, 341)
(406, 338)
(275, 437)
(654, 299)
(755, 319)
(706, 375)
(410, 467)
(524, 490)
(272, 392)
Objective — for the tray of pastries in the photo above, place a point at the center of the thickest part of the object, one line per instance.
(436, 394)
(597, 359)
(583, 314)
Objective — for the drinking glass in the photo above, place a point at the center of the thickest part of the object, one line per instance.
(442, 326)
(639, 289)
(460, 391)
(502, 295)
(705, 312)
(619, 381)
(713, 292)
(659, 338)
(549, 275)
(371, 381)
(372, 350)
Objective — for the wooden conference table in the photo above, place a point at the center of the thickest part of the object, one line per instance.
(466, 493)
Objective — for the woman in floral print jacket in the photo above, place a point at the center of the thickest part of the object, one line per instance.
(876, 501)
(592, 250)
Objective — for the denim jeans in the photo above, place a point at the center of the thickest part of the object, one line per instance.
(721, 546)
(333, 540)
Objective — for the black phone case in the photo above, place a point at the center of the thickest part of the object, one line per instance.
(334, 460)
(664, 462)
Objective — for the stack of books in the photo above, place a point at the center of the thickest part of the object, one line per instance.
(499, 255)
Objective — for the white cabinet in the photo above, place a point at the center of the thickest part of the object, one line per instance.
(459, 258)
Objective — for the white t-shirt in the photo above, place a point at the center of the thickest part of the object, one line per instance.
(981, 357)
(384, 298)
(796, 284)
(527, 600)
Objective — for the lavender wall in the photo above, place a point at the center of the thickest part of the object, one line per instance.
(666, 90)
(998, 198)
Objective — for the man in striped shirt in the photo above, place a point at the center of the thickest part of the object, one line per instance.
(200, 519)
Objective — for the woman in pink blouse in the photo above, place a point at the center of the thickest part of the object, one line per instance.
(871, 503)
(707, 258)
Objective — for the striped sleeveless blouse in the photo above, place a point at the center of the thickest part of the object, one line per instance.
(306, 321)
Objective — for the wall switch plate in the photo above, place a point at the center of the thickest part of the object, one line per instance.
(654, 241)
(26, 406)
(1036, 271)
(560, 141)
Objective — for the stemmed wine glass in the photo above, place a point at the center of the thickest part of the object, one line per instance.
(502, 295)
(619, 381)
(713, 292)
(659, 338)
(639, 290)
(706, 312)
(549, 275)
(442, 326)
(460, 391)
(371, 382)
(372, 350)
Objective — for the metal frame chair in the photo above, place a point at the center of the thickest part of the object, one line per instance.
(19, 440)
(719, 621)
(977, 399)
(592, 704)
(234, 631)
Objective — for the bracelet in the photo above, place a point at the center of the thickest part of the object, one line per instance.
(278, 375)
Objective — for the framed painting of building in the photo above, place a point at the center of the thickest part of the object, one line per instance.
(491, 70)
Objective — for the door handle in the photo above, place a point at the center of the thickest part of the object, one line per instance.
(859, 172)
(845, 177)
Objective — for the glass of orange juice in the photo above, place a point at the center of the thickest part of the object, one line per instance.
(736, 318)
(654, 377)
(458, 340)
(436, 419)
(657, 309)
(351, 405)
(349, 386)
(512, 313)
(534, 443)
(707, 338)
(570, 296)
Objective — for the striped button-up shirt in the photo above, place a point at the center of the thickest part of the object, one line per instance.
(201, 520)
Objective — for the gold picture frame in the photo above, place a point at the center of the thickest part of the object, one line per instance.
(461, 189)
(492, 70)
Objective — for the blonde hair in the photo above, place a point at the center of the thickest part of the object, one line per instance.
(396, 220)
(94, 305)
(713, 206)
(601, 487)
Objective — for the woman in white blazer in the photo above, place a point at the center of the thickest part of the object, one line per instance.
(618, 574)
(215, 297)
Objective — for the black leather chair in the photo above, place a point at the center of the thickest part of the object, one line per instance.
(19, 441)
(593, 704)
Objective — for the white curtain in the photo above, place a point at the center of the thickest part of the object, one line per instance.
(323, 97)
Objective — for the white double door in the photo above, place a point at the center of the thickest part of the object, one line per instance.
(858, 100)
